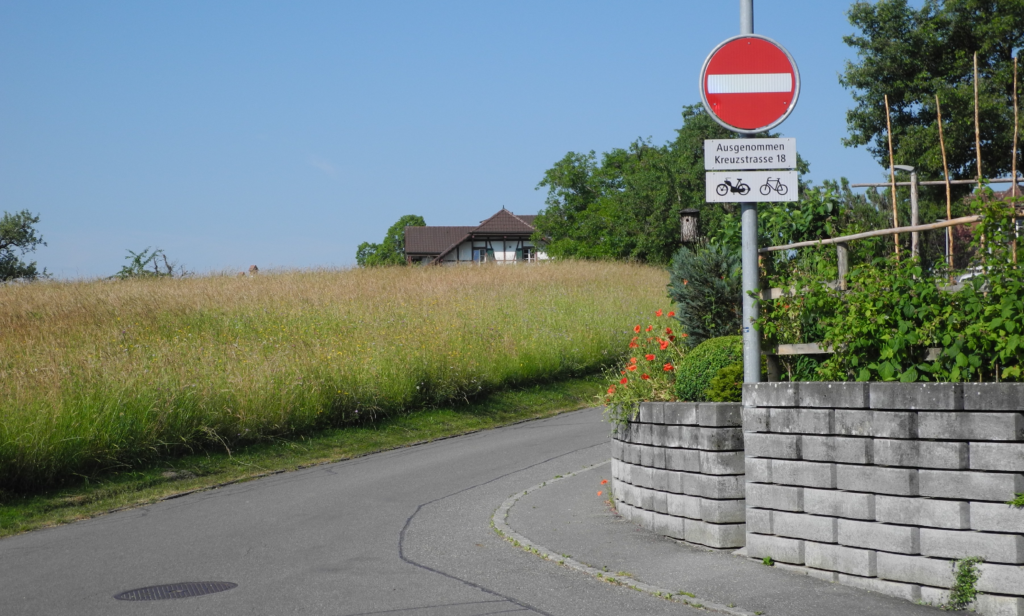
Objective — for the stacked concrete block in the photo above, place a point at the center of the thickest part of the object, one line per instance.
(678, 470)
(883, 486)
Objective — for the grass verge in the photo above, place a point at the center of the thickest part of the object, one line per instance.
(178, 476)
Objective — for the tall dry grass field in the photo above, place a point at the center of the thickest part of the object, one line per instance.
(105, 374)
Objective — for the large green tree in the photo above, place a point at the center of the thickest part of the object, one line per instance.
(391, 251)
(626, 205)
(18, 237)
(913, 54)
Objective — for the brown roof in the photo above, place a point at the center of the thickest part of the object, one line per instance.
(503, 223)
(432, 240)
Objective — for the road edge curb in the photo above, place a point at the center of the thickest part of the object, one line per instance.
(499, 522)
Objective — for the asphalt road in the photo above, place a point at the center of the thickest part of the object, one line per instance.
(402, 532)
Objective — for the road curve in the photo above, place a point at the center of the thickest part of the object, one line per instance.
(397, 533)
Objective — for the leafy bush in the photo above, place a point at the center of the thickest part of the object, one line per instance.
(647, 373)
(707, 287)
(695, 371)
(893, 311)
(727, 386)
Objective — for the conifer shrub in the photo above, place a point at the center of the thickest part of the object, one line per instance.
(707, 287)
(696, 370)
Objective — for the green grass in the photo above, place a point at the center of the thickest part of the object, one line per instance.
(161, 479)
(108, 375)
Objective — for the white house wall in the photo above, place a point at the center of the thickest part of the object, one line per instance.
(504, 251)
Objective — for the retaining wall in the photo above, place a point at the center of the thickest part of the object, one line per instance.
(882, 485)
(678, 471)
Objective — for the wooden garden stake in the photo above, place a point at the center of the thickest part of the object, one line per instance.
(1013, 157)
(977, 126)
(949, 188)
(892, 176)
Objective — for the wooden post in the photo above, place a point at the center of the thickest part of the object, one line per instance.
(892, 176)
(1013, 165)
(977, 126)
(843, 258)
(949, 189)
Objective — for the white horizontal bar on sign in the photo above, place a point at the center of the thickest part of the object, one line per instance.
(750, 83)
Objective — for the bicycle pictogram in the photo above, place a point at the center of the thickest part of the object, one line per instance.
(774, 184)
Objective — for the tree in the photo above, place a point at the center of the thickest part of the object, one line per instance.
(17, 238)
(140, 262)
(913, 54)
(391, 251)
(627, 205)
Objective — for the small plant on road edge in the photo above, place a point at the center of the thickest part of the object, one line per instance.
(965, 583)
(767, 561)
(1017, 502)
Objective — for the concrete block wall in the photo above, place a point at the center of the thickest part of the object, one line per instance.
(882, 485)
(678, 471)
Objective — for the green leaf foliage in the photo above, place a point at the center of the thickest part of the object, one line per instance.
(626, 204)
(912, 54)
(696, 370)
(965, 583)
(391, 251)
(707, 287)
(894, 311)
(727, 386)
(145, 264)
(18, 237)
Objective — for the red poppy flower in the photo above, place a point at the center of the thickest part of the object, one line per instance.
(685, 281)
(632, 368)
(604, 481)
(599, 492)
(611, 390)
(649, 357)
(668, 330)
(686, 335)
(632, 345)
(671, 314)
(650, 327)
(672, 338)
(668, 368)
(632, 360)
(624, 380)
(645, 377)
(637, 329)
(657, 313)
(663, 344)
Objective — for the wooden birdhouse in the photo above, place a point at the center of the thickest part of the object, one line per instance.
(689, 226)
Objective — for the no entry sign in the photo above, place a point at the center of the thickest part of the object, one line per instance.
(749, 84)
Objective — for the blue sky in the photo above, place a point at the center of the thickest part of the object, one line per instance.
(283, 134)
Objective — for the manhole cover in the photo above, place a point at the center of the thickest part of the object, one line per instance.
(174, 591)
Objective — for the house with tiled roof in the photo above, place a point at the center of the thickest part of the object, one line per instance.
(503, 239)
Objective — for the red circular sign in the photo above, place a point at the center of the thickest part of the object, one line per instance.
(749, 84)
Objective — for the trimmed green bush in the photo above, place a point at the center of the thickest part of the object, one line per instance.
(707, 288)
(696, 370)
(727, 386)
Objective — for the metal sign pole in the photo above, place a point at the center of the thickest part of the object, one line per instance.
(748, 227)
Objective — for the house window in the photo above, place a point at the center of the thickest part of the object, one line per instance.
(529, 254)
(479, 255)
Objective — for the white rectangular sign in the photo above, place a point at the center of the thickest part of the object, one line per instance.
(728, 154)
(750, 186)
